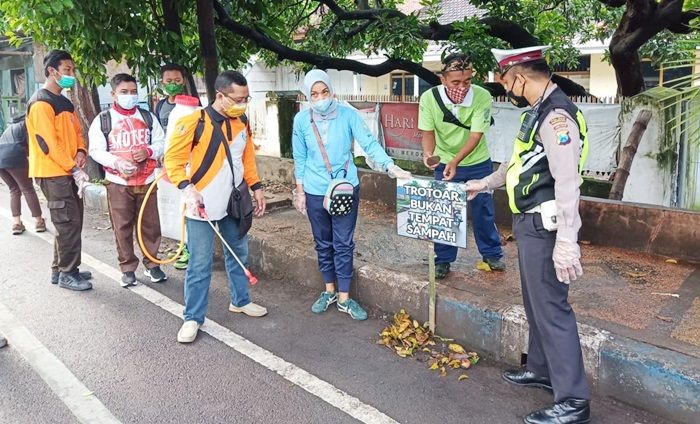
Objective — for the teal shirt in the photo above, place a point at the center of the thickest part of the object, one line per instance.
(338, 133)
(474, 112)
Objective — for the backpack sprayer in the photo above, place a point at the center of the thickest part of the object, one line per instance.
(252, 279)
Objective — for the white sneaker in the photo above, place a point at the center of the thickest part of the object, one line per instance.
(251, 309)
(188, 332)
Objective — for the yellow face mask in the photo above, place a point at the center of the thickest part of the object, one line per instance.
(235, 109)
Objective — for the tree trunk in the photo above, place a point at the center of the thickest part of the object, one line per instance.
(207, 43)
(628, 152)
(628, 67)
(171, 17)
(87, 109)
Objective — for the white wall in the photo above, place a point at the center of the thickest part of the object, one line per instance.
(602, 77)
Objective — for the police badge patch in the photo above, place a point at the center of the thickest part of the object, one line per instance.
(563, 138)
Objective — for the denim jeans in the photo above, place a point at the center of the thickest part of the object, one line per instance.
(200, 242)
(482, 216)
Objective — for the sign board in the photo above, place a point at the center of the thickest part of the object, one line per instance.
(400, 128)
(432, 210)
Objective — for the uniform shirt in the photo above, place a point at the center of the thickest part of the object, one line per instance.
(560, 137)
(217, 183)
(128, 132)
(474, 112)
(164, 112)
(337, 134)
(54, 135)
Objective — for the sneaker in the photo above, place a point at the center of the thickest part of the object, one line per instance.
(183, 260)
(17, 229)
(324, 301)
(128, 279)
(441, 270)
(353, 309)
(188, 332)
(3, 341)
(40, 226)
(156, 274)
(495, 264)
(73, 281)
(251, 309)
(85, 275)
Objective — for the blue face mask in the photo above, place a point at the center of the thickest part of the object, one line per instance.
(66, 81)
(322, 106)
(127, 101)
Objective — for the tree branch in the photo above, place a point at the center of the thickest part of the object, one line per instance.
(613, 3)
(283, 52)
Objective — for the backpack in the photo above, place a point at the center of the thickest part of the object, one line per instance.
(13, 144)
(447, 115)
(106, 128)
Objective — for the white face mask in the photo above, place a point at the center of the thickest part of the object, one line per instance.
(127, 101)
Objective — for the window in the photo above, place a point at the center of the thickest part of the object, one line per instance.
(402, 84)
(423, 86)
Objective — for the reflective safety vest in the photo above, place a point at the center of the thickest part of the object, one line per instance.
(528, 179)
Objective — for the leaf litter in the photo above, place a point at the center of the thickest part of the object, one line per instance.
(408, 338)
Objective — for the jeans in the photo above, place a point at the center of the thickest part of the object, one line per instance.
(334, 240)
(483, 215)
(200, 241)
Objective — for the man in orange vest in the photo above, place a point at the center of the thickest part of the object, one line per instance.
(57, 156)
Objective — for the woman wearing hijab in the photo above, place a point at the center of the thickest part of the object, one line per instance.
(334, 126)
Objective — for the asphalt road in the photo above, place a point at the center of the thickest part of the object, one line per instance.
(113, 351)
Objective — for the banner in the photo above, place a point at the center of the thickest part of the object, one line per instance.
(400, 127)
(432, 210)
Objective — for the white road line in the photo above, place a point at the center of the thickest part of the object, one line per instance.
(77, 397)
(307, 381)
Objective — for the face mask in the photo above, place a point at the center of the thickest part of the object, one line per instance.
(127, 101)
(322, 106)
(518, 101)
(173, 88)
(65, 81)
(457, 95)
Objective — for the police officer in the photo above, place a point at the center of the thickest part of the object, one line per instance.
(542, 179)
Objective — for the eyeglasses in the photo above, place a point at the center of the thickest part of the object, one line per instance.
(239, 100)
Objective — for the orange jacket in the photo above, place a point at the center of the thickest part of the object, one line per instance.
(54, 135)
(180, 152)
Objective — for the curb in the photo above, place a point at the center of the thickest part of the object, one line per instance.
(653, 378)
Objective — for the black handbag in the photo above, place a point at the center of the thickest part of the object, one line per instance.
(240, 204)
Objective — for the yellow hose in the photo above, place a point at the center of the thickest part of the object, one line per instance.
(181, 246)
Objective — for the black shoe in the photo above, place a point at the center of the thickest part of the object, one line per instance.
(526, 378)
(128, 279)
(85, 275)
(73, 281)
(441, 270)
(156, 274)
(495, 264)
(569, 411)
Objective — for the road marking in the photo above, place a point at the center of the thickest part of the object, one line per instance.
(72, 392)
(300, 377)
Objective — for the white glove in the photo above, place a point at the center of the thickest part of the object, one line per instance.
(474, 187)
(124, 167)
(194, 202)
(299, 201)
(566, 258)
(81, 180)
(395, 171)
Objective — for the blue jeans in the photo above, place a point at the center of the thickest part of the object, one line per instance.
(334, 240)
(483, 215)
(200, 241)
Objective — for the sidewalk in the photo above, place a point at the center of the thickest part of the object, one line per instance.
(641, 345)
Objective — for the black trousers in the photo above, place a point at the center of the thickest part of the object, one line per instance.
(67, 217)
(554, 348)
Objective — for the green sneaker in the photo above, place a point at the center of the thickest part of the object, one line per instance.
(182, 261)
(323, 302)
(353, 309)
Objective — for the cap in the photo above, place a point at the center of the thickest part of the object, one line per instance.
(508, 58)
(456, 62)
(184, 100)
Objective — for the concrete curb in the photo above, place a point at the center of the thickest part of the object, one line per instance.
(660, 380)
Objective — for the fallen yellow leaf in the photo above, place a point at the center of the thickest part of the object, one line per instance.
(454, 347)
(462, 377)
(483, 266)
(671, 261)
